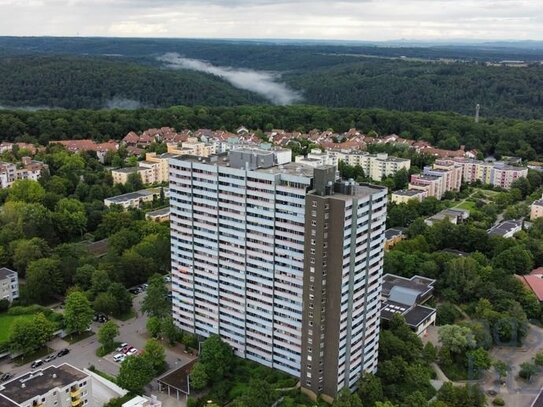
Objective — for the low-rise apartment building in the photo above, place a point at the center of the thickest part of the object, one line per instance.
(9, 284)
(26, 169)
(497, 174)
(136, 199)
(153, 170)
(405, 195)
(53, 386)
(376, 166)
(536, 209)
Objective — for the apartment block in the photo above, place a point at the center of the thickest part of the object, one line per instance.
(432, 185)
(193, 147)
(280, 260)
(405, 195)
(9, 284)
(53, 386)
(153, 170)
(8, 174)
(376, 166)
(536, 209)
(137, 198)
(497, 174)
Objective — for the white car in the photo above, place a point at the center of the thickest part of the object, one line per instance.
(132, 352)
(119, 357)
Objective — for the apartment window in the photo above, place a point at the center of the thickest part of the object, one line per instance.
(326, 206)
(313, 242)
(314, 204)
(326, 225)
(312, 251)
(314, 213)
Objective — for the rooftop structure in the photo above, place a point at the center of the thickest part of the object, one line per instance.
(506, 229)
(405, 296)
(135, 199)
(63, 386)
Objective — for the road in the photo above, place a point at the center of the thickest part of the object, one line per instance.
(83, 353)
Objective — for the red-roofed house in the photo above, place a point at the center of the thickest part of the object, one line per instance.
(534, 282)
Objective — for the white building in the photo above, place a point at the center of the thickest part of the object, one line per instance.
(9, 284)
(53, 386)
(243, 265)
(376, 166)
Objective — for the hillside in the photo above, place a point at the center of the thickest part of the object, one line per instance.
(98, 82)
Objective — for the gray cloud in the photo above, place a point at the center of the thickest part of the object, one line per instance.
(318, 19)
(262, 83)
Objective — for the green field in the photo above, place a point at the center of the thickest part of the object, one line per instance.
(469, 205)
(6, 322)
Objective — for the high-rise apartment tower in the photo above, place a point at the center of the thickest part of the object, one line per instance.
(280, 259)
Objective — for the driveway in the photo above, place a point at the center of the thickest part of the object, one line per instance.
(83, 353)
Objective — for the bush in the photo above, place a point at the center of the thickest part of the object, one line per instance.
(447, 314)
(191, 402)
(4, 305)
(498, 401)
(31, 309)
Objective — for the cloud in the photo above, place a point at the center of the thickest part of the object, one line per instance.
(300, 19)
(262, 83)
(122, 103)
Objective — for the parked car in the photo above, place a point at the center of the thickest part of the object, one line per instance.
(121, 347)
(63, 352)
(131, 352)
(134, 290)
(101, 317)
(36, 363)
(5, 377)
(119, 357)
(167, 279)
(50, 358)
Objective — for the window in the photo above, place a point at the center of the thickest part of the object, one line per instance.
(314, 204)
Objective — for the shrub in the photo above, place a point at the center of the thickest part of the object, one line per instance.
(498, 401)
(4, 305)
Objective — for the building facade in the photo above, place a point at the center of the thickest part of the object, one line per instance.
(242, 267)
(9, 284)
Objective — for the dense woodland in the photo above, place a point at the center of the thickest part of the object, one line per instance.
(94, 73)
(447, 130)
(74, 83)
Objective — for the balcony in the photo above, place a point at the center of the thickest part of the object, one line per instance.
(76, 403)
(75, 393)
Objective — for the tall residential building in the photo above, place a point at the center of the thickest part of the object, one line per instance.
(280, 260)
(53, 386)
(9, 284)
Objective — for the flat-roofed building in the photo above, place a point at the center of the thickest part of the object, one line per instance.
(53, 386)
(375, 166)
(406, 296)
(405, 195)
(506, 229)
(136, 199)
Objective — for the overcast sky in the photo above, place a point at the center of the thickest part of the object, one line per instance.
(298, 19)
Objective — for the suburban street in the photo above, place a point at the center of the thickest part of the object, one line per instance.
(83, 353)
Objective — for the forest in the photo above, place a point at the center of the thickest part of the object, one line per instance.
(99, 73)
(498, 137)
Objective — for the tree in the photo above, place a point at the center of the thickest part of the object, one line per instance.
(43, 280)
(25, 190)
(467, 396)
(78, 312)
(370, 389)
(198, 376)
(106, 336)
(70, 218)
(135, 373)
(347, 399)
(516, 259)
(123, 298)
(169, 330)
(456, 338)
(105, 303)
(30, 335)
(217, 357)
(527, 371)
(501, 369)
(154, 353)
(154, 326)
(479, 360)
(259, 393)
(25, 251)
(83, 276)
(156, 302)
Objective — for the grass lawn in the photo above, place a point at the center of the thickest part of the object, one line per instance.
(6, 322)
(468, 205)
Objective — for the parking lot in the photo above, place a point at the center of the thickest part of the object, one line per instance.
(83, 353)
